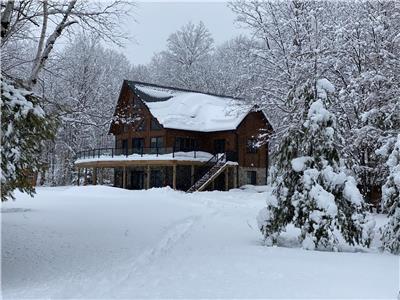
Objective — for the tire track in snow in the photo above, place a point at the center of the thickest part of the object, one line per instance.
(174, 233)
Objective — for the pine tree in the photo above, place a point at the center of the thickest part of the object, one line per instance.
(311, 188)
(391, 201)
(24, 128)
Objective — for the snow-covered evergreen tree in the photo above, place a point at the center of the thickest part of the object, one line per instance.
(391, 201)
(311, 188)
(24, 128)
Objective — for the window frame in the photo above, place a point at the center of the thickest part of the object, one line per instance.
(250, 174)
(138, 138)
(216, 141)
(157, 141)
(250, 148)
(185, 144)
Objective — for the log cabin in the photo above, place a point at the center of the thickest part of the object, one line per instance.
(185, 139)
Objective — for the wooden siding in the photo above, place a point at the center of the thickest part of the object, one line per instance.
(126, 101)
(235, 140)
(249, 128)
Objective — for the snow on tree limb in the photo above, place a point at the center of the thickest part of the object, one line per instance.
(24, 127)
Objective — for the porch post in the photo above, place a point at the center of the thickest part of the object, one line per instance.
(79, 176)
(124, 178)
(192, 175)
(174, 177)
(101, 179)
(94, 176)
(148, 177)
(226, 179)
(85, 179)
(235, 177)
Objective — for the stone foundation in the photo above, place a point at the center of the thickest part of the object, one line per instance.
(261, 178)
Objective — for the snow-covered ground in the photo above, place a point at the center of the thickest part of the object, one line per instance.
(94, 241)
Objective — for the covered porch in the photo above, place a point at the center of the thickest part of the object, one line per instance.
(148, 172)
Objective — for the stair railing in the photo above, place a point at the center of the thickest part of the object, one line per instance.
(200, 175)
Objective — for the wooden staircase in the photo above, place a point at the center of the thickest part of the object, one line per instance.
(217, 168)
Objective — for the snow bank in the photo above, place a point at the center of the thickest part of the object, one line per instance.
(254, 188)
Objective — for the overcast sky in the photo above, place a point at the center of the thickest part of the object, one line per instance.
(157, 20)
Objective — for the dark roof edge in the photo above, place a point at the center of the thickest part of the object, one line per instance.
(180, 89)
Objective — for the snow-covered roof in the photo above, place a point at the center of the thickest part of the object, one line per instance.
(191, 110)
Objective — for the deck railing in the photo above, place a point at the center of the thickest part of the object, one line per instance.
(157, 151)
(112, 152)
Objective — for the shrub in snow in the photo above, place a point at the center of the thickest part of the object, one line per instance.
(24, 128)
(391, 201)
(311, 189)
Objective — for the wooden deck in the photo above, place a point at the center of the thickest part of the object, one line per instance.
(135, 163)
(93, 161)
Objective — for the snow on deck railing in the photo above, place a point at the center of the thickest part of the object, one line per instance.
(102, 153)
(154, 153)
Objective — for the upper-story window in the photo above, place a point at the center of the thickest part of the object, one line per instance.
(157, 142)
(125, 127)
(219, 146)
(141, 126)
(251, 146)
(155, 125)
(185, 144)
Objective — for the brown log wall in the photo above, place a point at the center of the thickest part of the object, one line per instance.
(235, 140)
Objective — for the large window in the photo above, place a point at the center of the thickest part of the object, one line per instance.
(155, 125)
(137, 144)
(157, 142)
(251, 177)
(185, 144)
(251, 145)
(219, 146)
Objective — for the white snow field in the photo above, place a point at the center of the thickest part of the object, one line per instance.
(103, 242)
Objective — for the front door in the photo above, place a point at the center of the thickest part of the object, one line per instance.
(252, 177)
(219, 146)
(137, 180)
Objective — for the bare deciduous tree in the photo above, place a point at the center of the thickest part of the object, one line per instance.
(44, 22)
